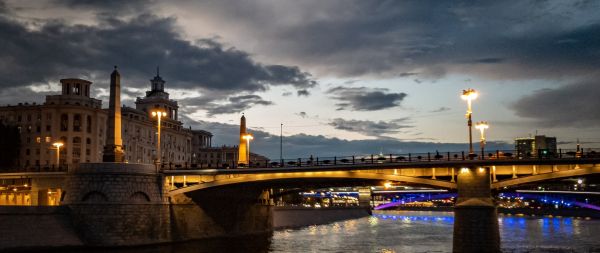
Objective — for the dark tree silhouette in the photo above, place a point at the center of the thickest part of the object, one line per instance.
(10, 146)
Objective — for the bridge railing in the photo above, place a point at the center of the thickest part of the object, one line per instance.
(364, 159)
(437, 156)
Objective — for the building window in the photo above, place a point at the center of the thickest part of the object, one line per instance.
(38, 139)
(77, 123)
(64, 122)
(48, 139)
(89, 124)
(88, 141)
(48, 128)
(27, 151)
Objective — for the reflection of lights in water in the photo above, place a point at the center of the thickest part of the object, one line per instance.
(373, 221)
(312, 230)
(387, 251)
(336, 227)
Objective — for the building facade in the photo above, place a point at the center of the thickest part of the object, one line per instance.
(78, 121)
(531, 146)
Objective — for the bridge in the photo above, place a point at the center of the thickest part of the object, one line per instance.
(434, 169)
(107, 200)
(427, 169)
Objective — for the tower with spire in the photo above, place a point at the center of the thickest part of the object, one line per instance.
(157, 99)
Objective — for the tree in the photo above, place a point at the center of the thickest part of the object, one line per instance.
(10, 146)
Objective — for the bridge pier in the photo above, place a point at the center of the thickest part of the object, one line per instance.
(475, 217)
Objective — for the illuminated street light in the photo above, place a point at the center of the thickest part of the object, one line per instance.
(469, 95)
(482, 126)
(158, 115)
(580, 181)
(387, 185)
(58, 145)
(248, 137)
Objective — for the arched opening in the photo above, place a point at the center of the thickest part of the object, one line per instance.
(139, 197)
(94, 196)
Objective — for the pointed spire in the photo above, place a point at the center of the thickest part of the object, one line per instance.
(157, 70)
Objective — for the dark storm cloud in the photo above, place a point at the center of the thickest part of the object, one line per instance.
(234, 104)
(370, 128)
(365, 99)
(441, 109)
(56, 50)
(574, 105)
(105, 5)
(304, 92)
(498, 39)
(303, 145)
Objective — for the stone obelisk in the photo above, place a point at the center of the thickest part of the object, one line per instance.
(242, 149)
(113, 149)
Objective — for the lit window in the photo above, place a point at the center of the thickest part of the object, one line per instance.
(38, 139)
(48, 139)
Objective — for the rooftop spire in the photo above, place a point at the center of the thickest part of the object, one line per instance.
(157, 71)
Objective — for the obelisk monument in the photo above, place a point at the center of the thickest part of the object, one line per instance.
(113, 149)
(242, 149)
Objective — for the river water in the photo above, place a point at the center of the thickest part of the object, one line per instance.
(403, 231)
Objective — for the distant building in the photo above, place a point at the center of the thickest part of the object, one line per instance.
(531, 146)
(225, 156)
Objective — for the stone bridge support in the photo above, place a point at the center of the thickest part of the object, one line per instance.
(475, 217)
(221, 211)
(118, 204)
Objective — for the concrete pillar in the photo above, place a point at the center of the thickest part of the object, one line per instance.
(475, 218)
(364, 197)
(494, 179)
(554, 168)
(452, 175)
(433, 173)
(534, 170)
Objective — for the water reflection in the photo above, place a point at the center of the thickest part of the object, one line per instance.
(401, 231)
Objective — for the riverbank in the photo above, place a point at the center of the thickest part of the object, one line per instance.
(35, 228)
(581, 213)
(294, 217)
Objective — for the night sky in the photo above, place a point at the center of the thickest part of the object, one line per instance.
(342, 76)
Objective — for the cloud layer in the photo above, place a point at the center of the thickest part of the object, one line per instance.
(55, 50)
(575, 105)
(371, 128)
(365, 99)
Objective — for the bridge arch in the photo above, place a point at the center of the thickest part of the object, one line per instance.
(273, 177)
(595, 169)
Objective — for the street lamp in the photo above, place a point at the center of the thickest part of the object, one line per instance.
(469, 95)
(58, 145)
(482, 126)
(158, 115)
(248, 137)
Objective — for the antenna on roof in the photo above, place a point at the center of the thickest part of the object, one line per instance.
(157, 70)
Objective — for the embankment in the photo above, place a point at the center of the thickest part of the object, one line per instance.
(291, 217)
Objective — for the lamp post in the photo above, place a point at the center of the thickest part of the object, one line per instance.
(158, 115)
(482, 126)
(469, 95)
(57, 145)
(248, 137)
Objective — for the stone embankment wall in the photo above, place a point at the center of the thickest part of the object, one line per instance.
(290, 217)
(31, 227)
